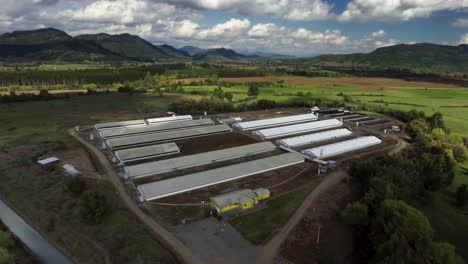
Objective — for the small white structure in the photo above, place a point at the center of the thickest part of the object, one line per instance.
(47, 161)
(71, 170)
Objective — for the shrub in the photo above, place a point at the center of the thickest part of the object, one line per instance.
(6, 240)
(76, 185)
(462, 195)
(355, 214)
(94, 207)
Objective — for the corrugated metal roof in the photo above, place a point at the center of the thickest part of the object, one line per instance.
(169, 119)
(162, 166)
(140, 140)
(164, 188)
(155, 128)
(342, 147)
(139, 122)
(298, 129)
(278, 121)
(314, 138)
(132, 154)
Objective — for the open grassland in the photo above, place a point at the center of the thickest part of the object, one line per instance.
(32, 122)
(399, 94)
(450, 222)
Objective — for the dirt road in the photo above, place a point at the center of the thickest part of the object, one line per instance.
(180, 251)
(272, 248)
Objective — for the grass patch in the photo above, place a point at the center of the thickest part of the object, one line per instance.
(449, 222)
(260, 226)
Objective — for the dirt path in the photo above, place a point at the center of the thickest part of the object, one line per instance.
(180, 251)
(272, 248)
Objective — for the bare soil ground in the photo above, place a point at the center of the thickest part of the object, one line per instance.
(335, 241)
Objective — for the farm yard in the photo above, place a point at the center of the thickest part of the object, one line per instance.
(34, 123)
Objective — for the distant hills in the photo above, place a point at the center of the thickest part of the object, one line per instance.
(192, 50)
(223, 54)
(51, 44)
(421, 56)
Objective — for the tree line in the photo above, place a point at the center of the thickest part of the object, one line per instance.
(390, 228)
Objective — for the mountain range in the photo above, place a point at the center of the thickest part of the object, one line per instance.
(51, 44)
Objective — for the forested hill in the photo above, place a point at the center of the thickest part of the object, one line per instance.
(51, 44)
(424, 56)
(223, 54)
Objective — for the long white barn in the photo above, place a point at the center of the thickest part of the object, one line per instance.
(147, 152)
(275, 122)
(285, 131)
(168, 119)
(148, 139)
(156, 190)
(314, 138)
(153, 128)
(184, 162)
(342, 147)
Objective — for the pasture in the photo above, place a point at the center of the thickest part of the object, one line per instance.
(398, 94)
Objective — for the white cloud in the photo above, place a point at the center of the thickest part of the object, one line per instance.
(378, 34)
(461, 22)
(286, 9)
(396, 10)
(464, 39)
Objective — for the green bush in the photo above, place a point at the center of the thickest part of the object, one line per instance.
(6, 240)
(355, 214)
(94, 207)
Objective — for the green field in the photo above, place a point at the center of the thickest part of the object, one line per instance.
(452, 102)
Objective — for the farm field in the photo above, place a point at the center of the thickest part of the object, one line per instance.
(399, 94)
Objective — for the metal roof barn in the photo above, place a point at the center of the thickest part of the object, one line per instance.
(148, 139)
(342, 147)
(164, 188)
(148, 152)
(168, 119)
(154, 128)
(274, 122)
(314, 138)
(174, 164)
(297, 129)
(139, 122)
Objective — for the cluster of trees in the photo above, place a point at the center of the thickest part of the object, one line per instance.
(213, 104)
(389, 186)
(94, 206)
(37, 77)
(6, 242)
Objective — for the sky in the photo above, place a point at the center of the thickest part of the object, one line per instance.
(296, 27)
